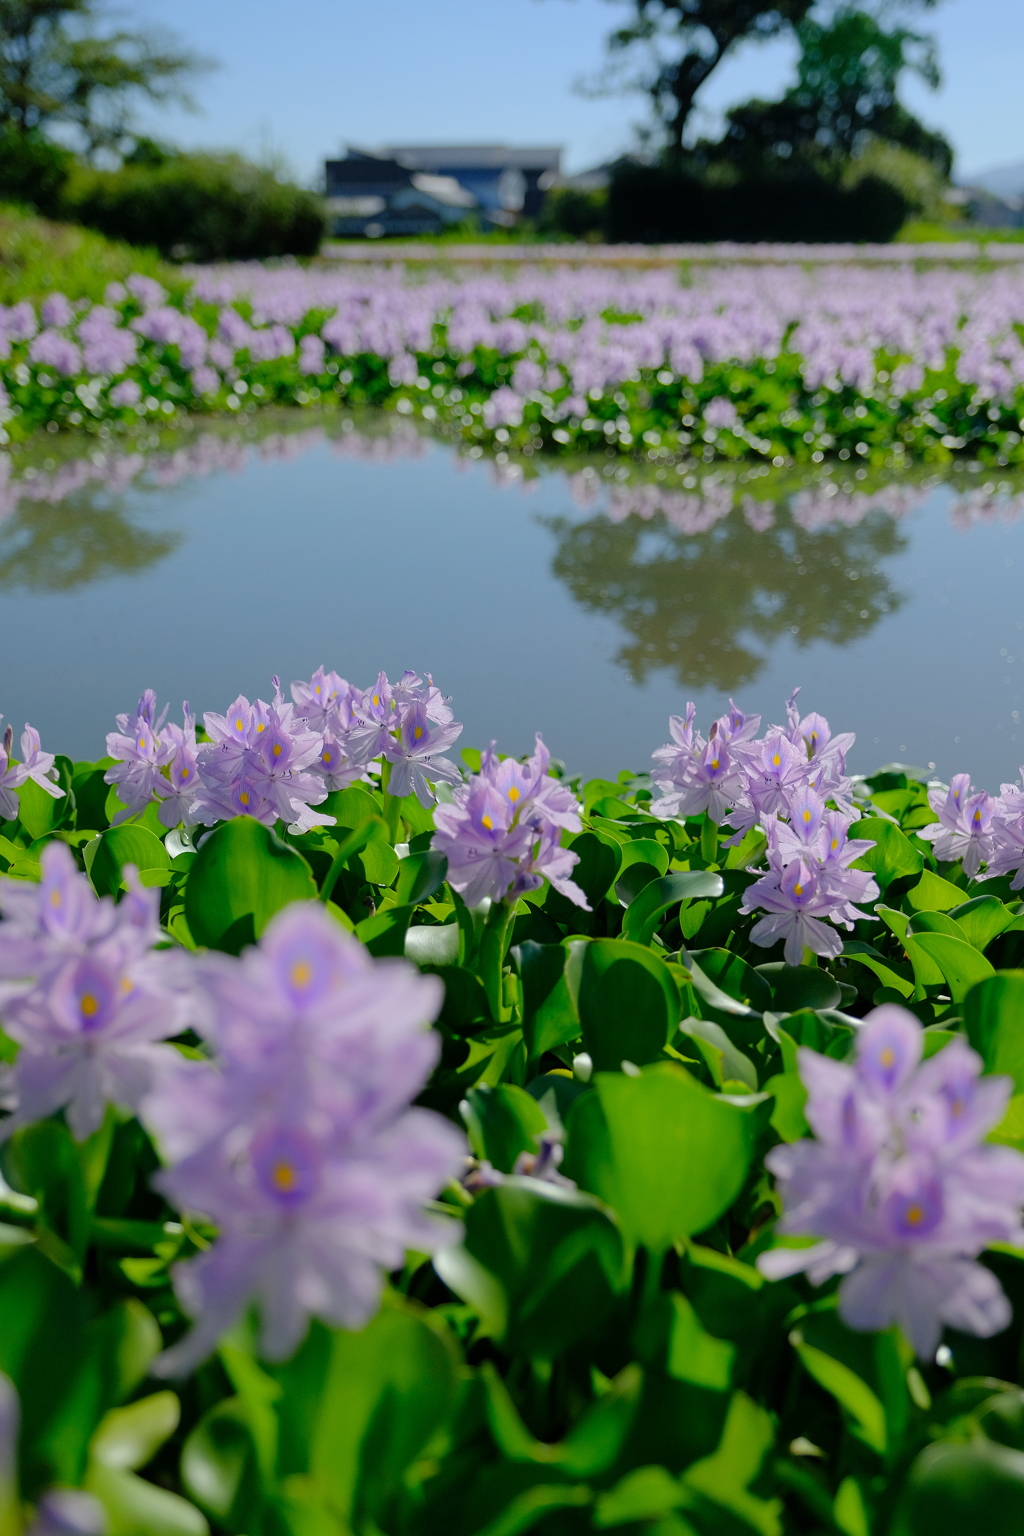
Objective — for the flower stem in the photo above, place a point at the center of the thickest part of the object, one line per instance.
(493, 944)
(709, 840)
(392, 805)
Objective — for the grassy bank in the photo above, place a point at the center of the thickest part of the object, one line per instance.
(39, 257)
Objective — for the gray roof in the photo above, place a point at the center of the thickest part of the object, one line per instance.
(429, 157)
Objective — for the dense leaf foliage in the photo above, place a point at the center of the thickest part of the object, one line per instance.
(601, 1350)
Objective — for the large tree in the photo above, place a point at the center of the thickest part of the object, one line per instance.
(59, 65)
(684, 42)
(844, 98)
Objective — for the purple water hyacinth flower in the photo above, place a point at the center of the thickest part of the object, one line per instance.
(141, 755)
(88, 999)
(126, 393)
(501, 833)
(257, 764)
(56, 310)
(900, 1185)
(413, 755)
(695, 775)
(1007, 853)
(326, 702)
(964, 828)
(178, 794)
(298, 1140)
(37, 765)
(809, 879)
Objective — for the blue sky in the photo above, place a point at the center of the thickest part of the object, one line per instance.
(303, 79)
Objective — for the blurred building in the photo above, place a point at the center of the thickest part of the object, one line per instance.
(418, 189)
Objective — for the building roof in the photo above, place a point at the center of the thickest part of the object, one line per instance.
(436, 157)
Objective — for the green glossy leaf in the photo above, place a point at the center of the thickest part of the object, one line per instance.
(893, 856)
(790, 1097)
(544, 1265)
(550, 978)
(380, 862)
(993, 1012)
(668, 1156)
(138, 1508)
(724, 1476)
(694, 1354)
(936, 922)
(590, 1447)
(39, 812)
(799, 986)
(419, 876)
(220, 1467)
(433, 943)
(107, 855)
(387, 1390)
(628, 1003)
(130, 1437)
(644, 914)
(90, 798)
(242, 871)
(982, 919)
(849, 1390)
(501, 1122)
(599, 861)
(933, 894)
(646, 1494)
(886, 971)
(735, 1066)
(956, 1487)
(734, 977)
(385, 932)
(961, 965)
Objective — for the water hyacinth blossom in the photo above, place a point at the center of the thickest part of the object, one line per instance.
(37, 765)
(809, 879)
(85, 995)
(410, 725)
(900, 1186)
(298, 1139)
(257, 763)
(964, 829)
(501, 831)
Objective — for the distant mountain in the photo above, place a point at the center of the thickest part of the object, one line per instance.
(1003, 181)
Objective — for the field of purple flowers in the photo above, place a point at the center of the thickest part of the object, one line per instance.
(781, 362)
(402, 1138)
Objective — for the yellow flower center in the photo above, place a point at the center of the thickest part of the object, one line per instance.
(376, 698)
(485, 821)
(142, 743)
(55, 898)
(798, 890)
(714, 763)
(887, 1056)
(238, 724)
(417, 732)
(284, 1178)
(513, 794)
(327, 757)
(89, 1005)
(301, 973)
(184, 773)
(277, 749)
(915, 1215)
(807, 818)
(244, 797)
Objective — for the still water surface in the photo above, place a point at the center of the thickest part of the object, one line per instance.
(569, 601)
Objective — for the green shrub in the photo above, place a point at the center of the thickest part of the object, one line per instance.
(662, 204)
(33, 170)
(571, 211)
(38, 257)
(199, 207)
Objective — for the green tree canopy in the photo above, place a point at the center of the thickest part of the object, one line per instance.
(58, 66)
(845, 97)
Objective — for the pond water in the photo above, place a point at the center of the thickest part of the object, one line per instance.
(587, 601)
